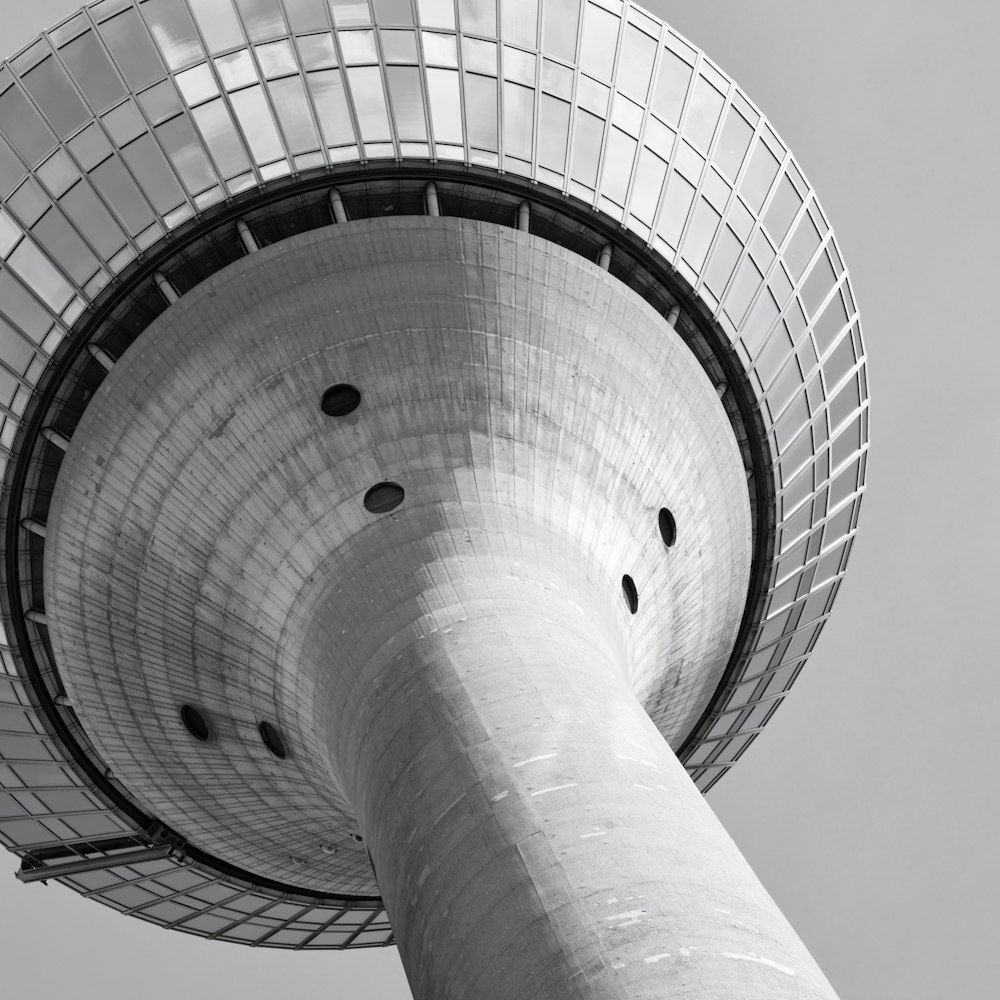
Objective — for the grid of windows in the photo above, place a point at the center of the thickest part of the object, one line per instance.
(133, 116)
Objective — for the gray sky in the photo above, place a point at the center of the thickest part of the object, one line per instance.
(869, 807)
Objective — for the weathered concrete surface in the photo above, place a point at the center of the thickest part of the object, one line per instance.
(459, 681)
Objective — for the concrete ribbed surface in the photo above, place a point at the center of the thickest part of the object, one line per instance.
(207, 542)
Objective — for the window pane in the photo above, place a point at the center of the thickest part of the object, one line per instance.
(703, 113)
(724, 257)
(277, 59)
(648, 182)
(197, 84)
(393, 12)
(520, 22)
(699, 237)
(132, 49)
(518, 120)
(93, 220)
(676, 205)
(121, 192)
(255, 117)
(446, 112)
(306, 15)
(180, 140)
(49, 85)
(734, 142)
(172, 28)
(561, 18)
(407, 102)
(90, 66)
(587, 140)
(399, 46)
(759, 176)
(481, 106)
(289, 98)
(45, 281)
(219, 26)
(350, 12)
(369, 103)
(24, 127)
(636, 67)
(600, 38)
(327, 89)
(221, 137)
(317, 52)
(671, 87)
(262, 18)
(436, 13)
(618, 166)
(158, 181)
(160, 102)
(62, 242)
(357, 47)
(801, 247)
(23, 310)
(479, 17)
(553, 132)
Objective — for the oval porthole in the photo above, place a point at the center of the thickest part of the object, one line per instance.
(195, 723)
(272, 740)
(631, 594)
(383, 497)
(668, 527)
(340, 399)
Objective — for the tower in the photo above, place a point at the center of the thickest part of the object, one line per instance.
(430, 426)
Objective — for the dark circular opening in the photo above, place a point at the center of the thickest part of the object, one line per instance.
(272, 740)
(631, 594)
(668, 527)
(340, 399)
(195, 723)
(383, 497)
(357, 838)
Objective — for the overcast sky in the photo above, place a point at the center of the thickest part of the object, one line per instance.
(869, 808)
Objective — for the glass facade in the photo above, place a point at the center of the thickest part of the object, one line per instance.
(135, 116)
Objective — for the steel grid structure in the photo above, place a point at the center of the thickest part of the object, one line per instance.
(136, 126)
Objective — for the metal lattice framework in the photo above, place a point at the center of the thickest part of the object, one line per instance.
(138, 124)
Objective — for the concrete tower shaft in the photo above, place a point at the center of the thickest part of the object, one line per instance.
(457, 681)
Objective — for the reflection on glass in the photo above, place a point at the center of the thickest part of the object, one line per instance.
(347, 13)
(369, 103)
(557, 79)
(759, 177)
(64, 245)
(704, 222)
(588, 136)
(407, 102)
(132, 49)
(276, 59)
(671, 87)
(437, 13)
(317, 52)
(90, 147)
(306, 15)
(439, 50)
(173, 30)
(327, 89)
(10, 233)
(262, 18)
(600, 38)
(648, 182)
(618, 166)
(559, 29)
(801, 247)
(446, 108)
(703, 113)
(160, 102)
(22, 309)
(289, 97)
(553, 132)
(219, 25)
(519, 66)
(747, 281)
(197, 84)
(782, 210)
(399, 46)
(221, 137)
(393, 12)
(34, 269)
(481, 102)
(255, 117)
(676, 205)
(593, 96)
(734, 142)
(520, 22)
(124, 123)
(91, 218)
(49, 85)
(24, 127)
(180, 141)
(122, 193)
(358, 47)
(237, 69)
(29, 202)
(159, 183)
(829, 325)
(636, 69)
(90, 67)
(815, 288)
